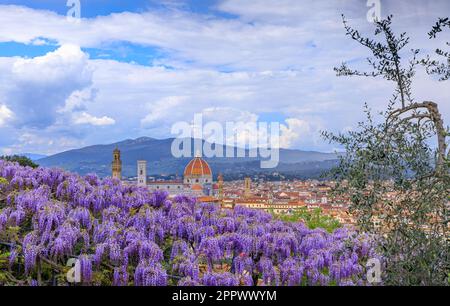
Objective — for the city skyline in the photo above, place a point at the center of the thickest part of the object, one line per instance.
(282, 197)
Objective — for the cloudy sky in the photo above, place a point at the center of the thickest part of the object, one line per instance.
(133, 68)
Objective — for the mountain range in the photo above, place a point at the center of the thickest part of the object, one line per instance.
(33, 157)
(157, 152)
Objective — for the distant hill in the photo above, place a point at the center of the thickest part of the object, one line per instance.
(157, 152)
(32, 156)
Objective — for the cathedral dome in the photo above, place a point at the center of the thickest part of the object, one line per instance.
(197, 168)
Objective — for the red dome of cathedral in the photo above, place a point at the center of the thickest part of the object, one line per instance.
(197, 167)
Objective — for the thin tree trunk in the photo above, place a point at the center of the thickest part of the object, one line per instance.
(435, 116)
(39, 272)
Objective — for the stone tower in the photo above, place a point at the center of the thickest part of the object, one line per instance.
(142, 172)
(247, 187)
(117, 165)
(270, 195)
(220, 186)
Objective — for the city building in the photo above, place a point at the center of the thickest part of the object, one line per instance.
(197, 178)
(279, 197)
(117, 165)
(142, 173)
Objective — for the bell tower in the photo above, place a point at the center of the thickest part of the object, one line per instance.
(117, 165)
(247, 187)
(220, 185)
(142, 173)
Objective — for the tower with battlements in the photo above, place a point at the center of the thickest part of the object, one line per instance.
(117, 165)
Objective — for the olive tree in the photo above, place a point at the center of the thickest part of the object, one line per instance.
(396, 167)
(434, 66)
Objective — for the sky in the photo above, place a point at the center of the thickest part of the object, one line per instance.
(128, 69)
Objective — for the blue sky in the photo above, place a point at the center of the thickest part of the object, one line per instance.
(91, 8)
(128, 69)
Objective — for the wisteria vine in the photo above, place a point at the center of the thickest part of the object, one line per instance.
(126, 235)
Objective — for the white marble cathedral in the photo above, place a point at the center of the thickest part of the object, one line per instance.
(197, 178)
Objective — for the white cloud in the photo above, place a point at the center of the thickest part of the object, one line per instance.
(294, 130)
(228, 114)
(163, 109)
(38, 142)
(274, 56)
(85, 118)
(78, 100)
(245, 133)
(266, 35)
(201, 40)
(36, 88)
(64, 64)
(5, 114)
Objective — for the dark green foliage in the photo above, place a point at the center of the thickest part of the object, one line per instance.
(398, 182)
(386, 60)
(22, 160)
(435, 67)
(313, 219)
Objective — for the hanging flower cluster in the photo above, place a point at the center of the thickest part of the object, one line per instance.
(125, 235)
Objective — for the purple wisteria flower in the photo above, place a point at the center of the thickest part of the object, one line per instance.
(130, 235)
